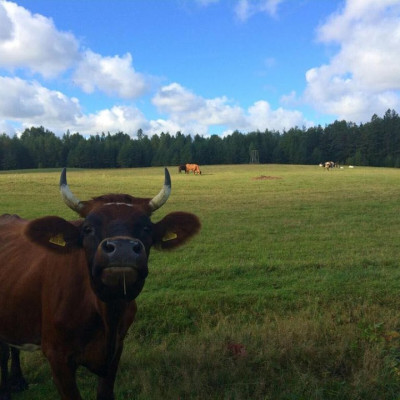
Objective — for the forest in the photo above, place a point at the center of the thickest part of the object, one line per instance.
(375, 143)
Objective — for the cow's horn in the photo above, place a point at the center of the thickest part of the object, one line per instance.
(159, 200)
(69, 199)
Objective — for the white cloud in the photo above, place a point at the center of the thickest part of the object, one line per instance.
(289, 99)
(242, 10)
(6, 25)
(29, 101)
(175, 99)
(162, 125)
(363, 78)
(31, 104)
(245, 9)
(190, 113)
(185, 106)
(111, 75)
(261, 116)
(119, 118)
(32, 41)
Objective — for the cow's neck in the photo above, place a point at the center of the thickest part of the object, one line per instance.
(112, 314)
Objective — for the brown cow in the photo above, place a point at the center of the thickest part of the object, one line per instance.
(193, 167)
(69, 287)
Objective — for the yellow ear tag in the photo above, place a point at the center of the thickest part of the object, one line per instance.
(169, 236)
(58, 240)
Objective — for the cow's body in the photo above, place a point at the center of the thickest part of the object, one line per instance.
(49, 294)
(69, 287)
(193, 167)
(182, 167)
(328, 165)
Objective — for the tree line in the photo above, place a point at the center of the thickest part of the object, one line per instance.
(375, 143)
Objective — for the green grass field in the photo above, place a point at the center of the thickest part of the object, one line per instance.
(290, 291)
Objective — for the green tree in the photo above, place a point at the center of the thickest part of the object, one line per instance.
(43, 146)
(13, 155)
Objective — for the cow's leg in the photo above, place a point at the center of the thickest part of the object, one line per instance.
(4, 357)
(64, 375)
(17, 380)
(105, 388)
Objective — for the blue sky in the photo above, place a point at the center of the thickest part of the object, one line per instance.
(198, 66)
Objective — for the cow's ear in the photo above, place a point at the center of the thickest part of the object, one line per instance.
(175, 229)
(54, 233)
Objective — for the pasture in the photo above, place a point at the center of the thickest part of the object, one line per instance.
(290, 291)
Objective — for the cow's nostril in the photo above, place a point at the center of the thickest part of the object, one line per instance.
(108, 247)
(136, 247)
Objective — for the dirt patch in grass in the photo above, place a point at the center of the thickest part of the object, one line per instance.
(265, 178)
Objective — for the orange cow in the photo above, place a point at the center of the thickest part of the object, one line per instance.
(193, 167)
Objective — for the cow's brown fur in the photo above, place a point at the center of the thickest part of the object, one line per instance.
(193, 167)
(49, 293)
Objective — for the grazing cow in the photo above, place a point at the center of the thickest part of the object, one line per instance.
(328, 165)
(69, 287)
(193, 167)
(181, 168)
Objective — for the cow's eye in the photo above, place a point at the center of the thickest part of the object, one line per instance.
(88, 229)
(147, 229)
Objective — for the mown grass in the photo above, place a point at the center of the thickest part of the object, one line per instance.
(289, 292)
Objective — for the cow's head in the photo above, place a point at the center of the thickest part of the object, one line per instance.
(116, 234)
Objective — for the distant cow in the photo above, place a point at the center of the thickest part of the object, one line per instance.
(328, 165)
(69, 287)
(193, 167)
(181, 168)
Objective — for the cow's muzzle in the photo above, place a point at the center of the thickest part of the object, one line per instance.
(121, 261)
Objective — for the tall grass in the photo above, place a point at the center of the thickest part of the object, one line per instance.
(290, 291)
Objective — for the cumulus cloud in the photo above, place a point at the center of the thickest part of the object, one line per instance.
(363, 77)
(31, 41)
(111, 75)
(6, 25)
(261, 116)
(190, 113)
(183, 105)
(127, 119)
(175, 99)
(163, 125)
(245, 9)
(32, 104)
